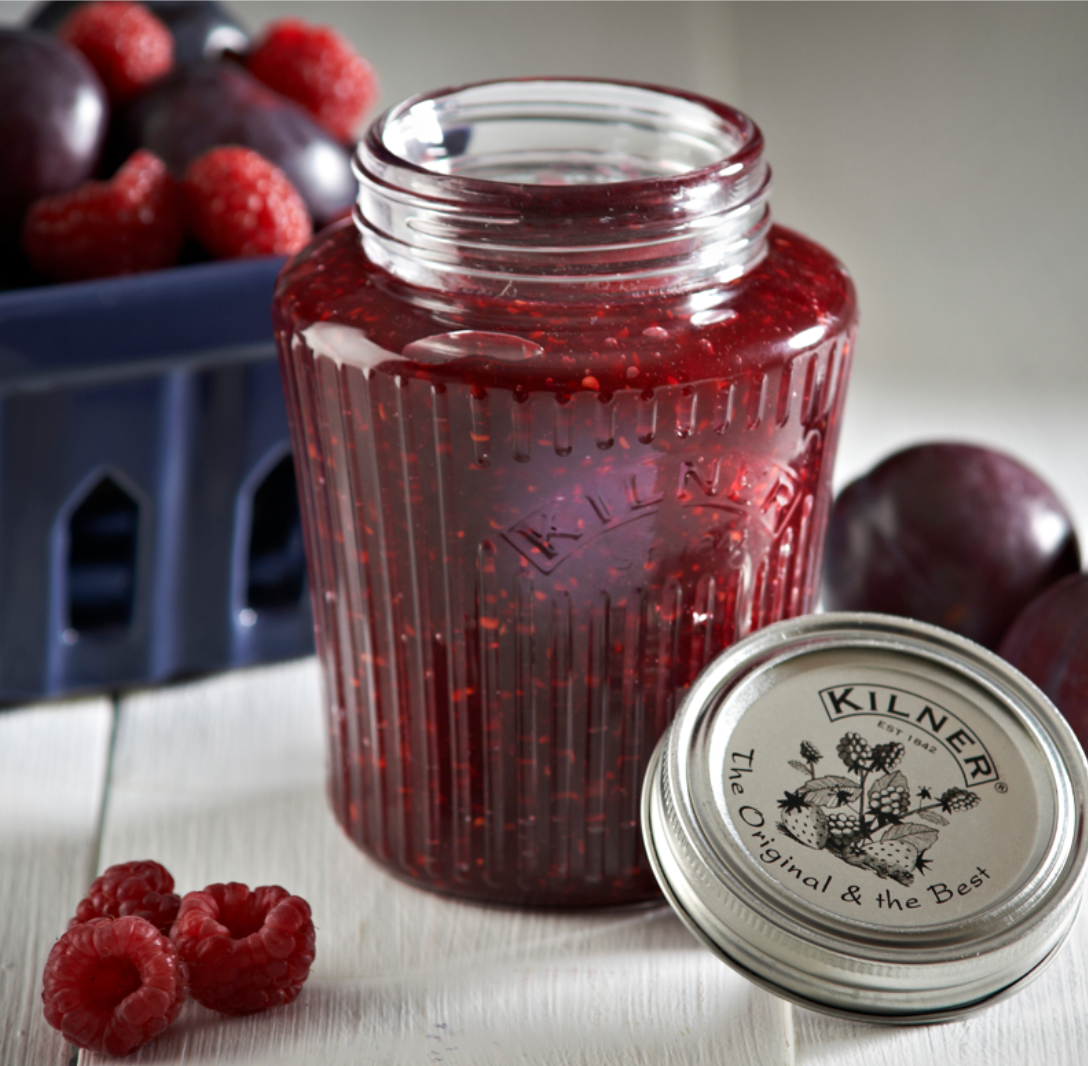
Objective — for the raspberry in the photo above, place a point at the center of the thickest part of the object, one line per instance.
(247, 951)
(143, 889)
(238, 204)
(111, 984)
(809, 752)
(319, 70)
(843, 828)
(891, 802)
(126, 44)
(888, 757)
(958, 799)
(129, 224)
(854, 751)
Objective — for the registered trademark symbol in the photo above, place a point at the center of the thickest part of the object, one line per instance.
(1001, 786)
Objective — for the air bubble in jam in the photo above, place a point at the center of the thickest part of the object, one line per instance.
(471, 344)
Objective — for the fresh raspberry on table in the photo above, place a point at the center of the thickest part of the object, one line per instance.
(318, 69)
(102, 229)
(246, 950)
(111, 984)
(142, 889)
(125, 43)
(238, 205)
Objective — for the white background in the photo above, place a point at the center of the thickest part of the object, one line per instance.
(940, 150)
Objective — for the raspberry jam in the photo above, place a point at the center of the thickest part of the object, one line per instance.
(564, 407)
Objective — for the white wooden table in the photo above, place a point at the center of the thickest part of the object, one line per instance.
(223, 779)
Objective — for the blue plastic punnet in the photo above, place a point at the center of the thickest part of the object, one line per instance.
(149, 527)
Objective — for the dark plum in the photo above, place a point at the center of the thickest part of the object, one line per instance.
(1049, 643)
(48, 17)
(953, 534)
(202, 29)
(53, 116)
(219, 103)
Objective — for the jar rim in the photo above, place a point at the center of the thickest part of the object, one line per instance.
(741, 140)
(621, 187)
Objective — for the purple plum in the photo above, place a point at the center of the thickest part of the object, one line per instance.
(215, 103)
(53, 117)
(1049, 643)
(202, 29)
(953, 534)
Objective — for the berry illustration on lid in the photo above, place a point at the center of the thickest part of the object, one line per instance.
(880, 836)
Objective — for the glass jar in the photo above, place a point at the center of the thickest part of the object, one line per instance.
(564, 406)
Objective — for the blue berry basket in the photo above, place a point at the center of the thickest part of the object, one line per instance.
(149, 527)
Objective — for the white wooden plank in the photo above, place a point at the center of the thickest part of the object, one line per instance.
(224, 779)
(1045, 1024)
(53, 761)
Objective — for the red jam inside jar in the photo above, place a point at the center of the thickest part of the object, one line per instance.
(564, 407)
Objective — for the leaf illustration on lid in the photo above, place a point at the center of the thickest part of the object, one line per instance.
(921, 836)
(831, 791)
(797, 765)
(932, 816)
(830, 781)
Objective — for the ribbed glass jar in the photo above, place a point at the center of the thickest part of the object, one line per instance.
(564, 407)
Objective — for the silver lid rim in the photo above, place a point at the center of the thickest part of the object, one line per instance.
(924, 1017)
(825, 966)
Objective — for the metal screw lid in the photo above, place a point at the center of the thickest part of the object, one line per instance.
(870, 816)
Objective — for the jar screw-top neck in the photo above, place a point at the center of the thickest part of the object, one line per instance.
(529, 185)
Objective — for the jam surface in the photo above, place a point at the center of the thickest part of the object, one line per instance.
(529, 524)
